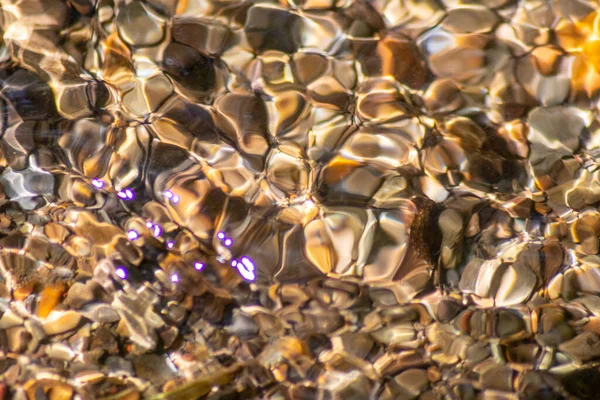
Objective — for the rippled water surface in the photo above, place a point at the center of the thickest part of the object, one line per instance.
(311, 199)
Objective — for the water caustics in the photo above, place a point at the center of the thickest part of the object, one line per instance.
(391, 199)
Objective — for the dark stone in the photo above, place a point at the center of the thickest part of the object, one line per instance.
(188, 67)
(153, 368)
(583, 384)
(32, 98)
(104, 339)
(448, 309)
(273, 29)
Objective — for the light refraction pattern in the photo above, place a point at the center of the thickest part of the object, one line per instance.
(302, 199)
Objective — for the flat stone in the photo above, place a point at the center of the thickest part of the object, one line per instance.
(118, 367)
(137, 27)
(101, 313)
(153, 368)
(61, 322)
(583, 347)
(79, 295)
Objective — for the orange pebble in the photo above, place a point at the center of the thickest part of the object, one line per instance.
(49, 298)
(21, 293)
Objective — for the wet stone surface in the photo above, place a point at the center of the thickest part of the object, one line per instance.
(299, 200)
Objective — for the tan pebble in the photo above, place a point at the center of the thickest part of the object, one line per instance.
(60, 351)
(63, 322)
(89, 377)
(18, 338)
(10, 319)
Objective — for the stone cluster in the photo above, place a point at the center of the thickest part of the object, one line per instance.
(303, 199)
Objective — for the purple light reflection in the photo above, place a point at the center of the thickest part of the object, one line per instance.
(246, 268)
(121, 272)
